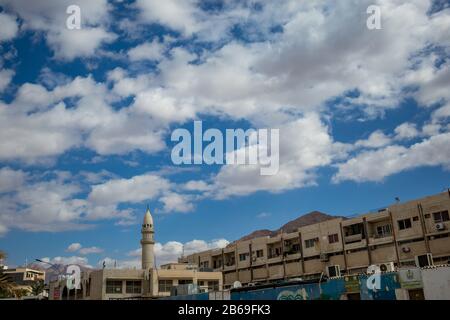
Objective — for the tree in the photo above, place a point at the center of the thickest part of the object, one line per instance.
(37, 287)
(7, 286)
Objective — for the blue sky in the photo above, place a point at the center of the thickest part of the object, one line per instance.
(86, 118)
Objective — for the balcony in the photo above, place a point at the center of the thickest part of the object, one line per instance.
(353, 238)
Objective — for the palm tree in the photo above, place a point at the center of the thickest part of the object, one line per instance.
(6, 285)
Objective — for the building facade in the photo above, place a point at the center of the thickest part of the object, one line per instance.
(148, 282)
(24, 277)
(403, 234)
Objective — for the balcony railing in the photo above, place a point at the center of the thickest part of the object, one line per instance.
(353, 238)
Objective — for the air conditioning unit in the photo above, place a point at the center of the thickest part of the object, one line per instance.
(440, 226)
(387, 267)
(324, 257)
(424, 260)
(383, 267)
(333, 271)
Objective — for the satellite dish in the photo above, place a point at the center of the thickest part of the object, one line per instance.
(237, 284)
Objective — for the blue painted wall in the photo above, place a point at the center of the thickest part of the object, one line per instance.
(331, 290)
(389, 282)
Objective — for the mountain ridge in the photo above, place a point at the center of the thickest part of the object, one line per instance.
(292, 225)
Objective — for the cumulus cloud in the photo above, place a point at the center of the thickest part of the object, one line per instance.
(378, 164)
(272, 79)
(82, 261)
(375, 140)
(177, 14)
(406, 131)
(11, 179)
(50, 17)
(54, 127)
(172, 250)
(90, 250)
(146, 51)
(9, 28)
(135, 189)
(5, 78)
(74, 247)
(77, 247)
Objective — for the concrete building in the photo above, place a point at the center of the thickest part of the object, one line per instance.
(413, 233)
(148, 282)
(24, 277)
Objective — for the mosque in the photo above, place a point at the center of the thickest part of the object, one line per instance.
(147, 282)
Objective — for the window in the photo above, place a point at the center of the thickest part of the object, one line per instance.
(333, 238)
(133, 286)
(427, 216)
(441, 216)
(404, 224)
(295, 248)
(204, 264)
(311, 242)
(184, 281)
(113, 286)
(243, 256)
(416, 218)
(354, 229)
(259, 253)
(88, 287)
(384, 231)
(217, 264)
(213, 285)
(165, 285)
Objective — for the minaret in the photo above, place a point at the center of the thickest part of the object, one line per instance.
(147, 241)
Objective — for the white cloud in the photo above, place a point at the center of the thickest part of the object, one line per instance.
(176, 14)
(77, 247)
(311, 149)
(9, 27)
(174, 202)
(74, 247)
(378, 164)
(53, 127)
(70, 44)
(90, 250)
(172, 250)
(376, 139)
(263, 215)
(406, 131)
(147, 51)
(50, 17)
(82, 261)
(134, 190)
(5, 77)
(442, 113)
(11, 179)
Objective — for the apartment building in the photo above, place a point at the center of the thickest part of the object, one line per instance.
(403, 234)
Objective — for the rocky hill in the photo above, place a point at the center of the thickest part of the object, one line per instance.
(304, 220)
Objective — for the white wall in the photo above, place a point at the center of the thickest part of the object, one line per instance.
(436, 283)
